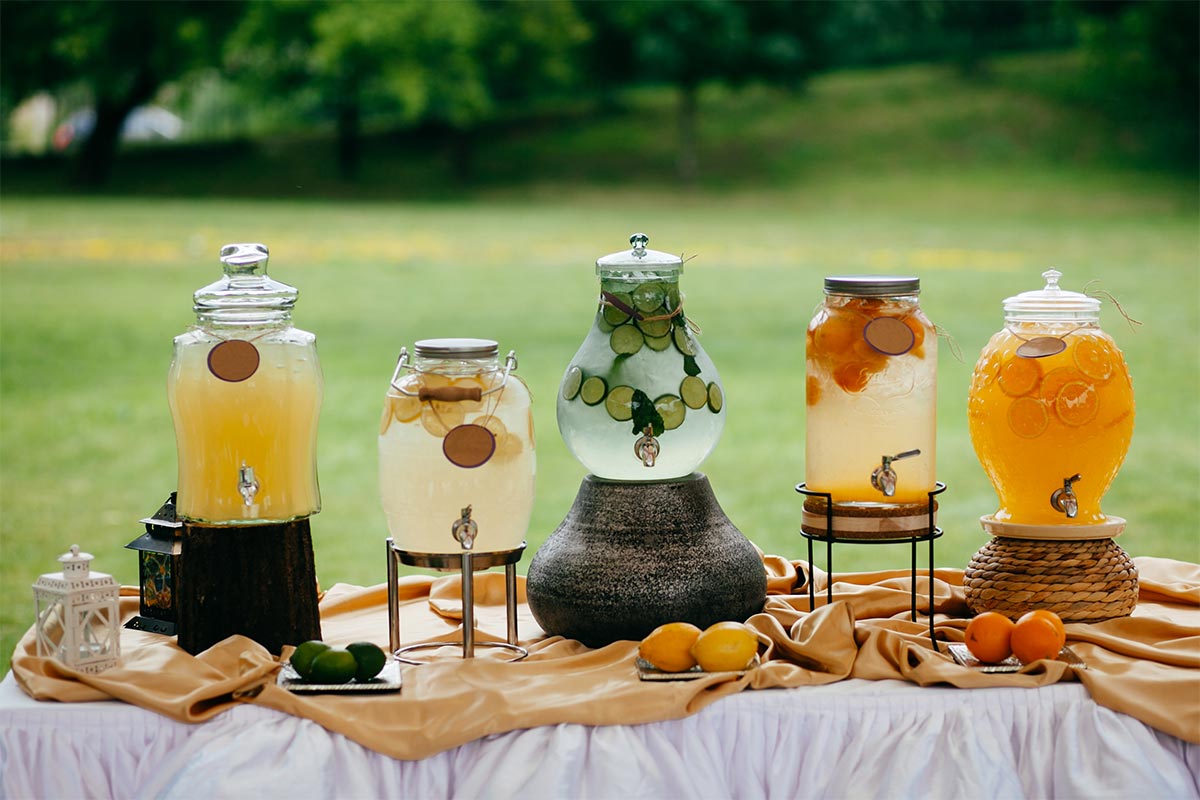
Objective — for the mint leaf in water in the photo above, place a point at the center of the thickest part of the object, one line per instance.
(645, 414)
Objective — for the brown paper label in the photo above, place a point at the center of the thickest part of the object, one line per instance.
(889, 336)
(468, 446)
(234, 360)
(1041, 347)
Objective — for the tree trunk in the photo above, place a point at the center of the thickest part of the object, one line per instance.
(93, 165)
(687, 161)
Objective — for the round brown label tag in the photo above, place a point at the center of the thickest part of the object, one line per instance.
(468, 446)
(234, 360)
(889, 336)
(1041, 347)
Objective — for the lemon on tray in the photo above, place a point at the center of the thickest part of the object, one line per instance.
(668, 647)
(725, 647)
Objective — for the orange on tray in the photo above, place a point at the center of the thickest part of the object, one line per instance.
(988, 637)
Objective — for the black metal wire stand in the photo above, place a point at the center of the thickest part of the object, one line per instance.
(930, 534)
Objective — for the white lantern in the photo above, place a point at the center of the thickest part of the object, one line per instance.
(78, 621)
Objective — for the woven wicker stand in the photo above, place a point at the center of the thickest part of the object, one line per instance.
(1081, 581)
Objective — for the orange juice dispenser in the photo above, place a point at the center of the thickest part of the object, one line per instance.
(244, 388)
(1051, 416)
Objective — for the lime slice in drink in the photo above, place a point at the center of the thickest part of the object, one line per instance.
(648, 296)
(626, 340)
(659, 343)
(593, 390)
(716, 398)
(571, 383)
(613, 315)
(655, 327)
(683, 340)
(693, 391)
(672, 411)
(619, 403)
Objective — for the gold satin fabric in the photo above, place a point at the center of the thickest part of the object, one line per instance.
(1145, 665)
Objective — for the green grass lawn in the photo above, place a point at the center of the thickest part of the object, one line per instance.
(93, 289)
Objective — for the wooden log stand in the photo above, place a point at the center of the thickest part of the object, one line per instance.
(259, 581)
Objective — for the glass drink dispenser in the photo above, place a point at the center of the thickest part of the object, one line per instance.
(245, 391)
(640, 400)
(871, 393)
(1051, 410)
(456, 431)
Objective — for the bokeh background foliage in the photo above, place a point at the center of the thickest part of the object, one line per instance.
(455, 168)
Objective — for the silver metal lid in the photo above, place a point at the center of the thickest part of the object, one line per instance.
(638, 258)
(872, 285)
(1052, 302)
(457, 348)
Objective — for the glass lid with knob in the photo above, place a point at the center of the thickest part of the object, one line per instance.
(641, 400)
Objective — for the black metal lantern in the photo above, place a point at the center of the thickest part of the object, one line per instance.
(158, 571)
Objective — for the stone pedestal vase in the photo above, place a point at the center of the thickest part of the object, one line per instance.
(632, 556)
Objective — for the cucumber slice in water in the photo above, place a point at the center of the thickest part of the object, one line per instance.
(655, 327)
(612, 314)
(683, 340)
(619, 403)
(571, 383)
(672, 301)
(716, 398)
(694, 392)
(672, 411)
(626, 340)
(648, 297)
(659, 343)
(593, 390)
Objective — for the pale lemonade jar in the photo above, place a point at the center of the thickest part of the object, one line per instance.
(456, 431)
(871, 393)
(1051, 409)
(244, 389)
(641, 400)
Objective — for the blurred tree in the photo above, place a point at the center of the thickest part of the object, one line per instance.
(121, 53)
(448, 63)
(686, 43)
(1144, 61)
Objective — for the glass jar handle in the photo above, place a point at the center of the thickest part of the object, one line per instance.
(510, 363)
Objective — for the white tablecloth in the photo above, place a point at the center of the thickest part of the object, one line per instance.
(853, 739)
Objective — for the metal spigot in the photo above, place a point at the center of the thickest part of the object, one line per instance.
(465, 529)
(884, 477)
(247, 484)
(647, 447)
(1064, 499)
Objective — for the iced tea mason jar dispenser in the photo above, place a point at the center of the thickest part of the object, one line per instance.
(641, 400)
(871, 393)
(245, 391)
(1050, 411)
(456, 432)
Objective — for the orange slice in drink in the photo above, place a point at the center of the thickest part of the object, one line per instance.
(1093, 359)
(1027, 417)
(1055, 380)
(812, 391)
(837, 334)
(852, 376)
(1077, 404)
(1019, 376)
